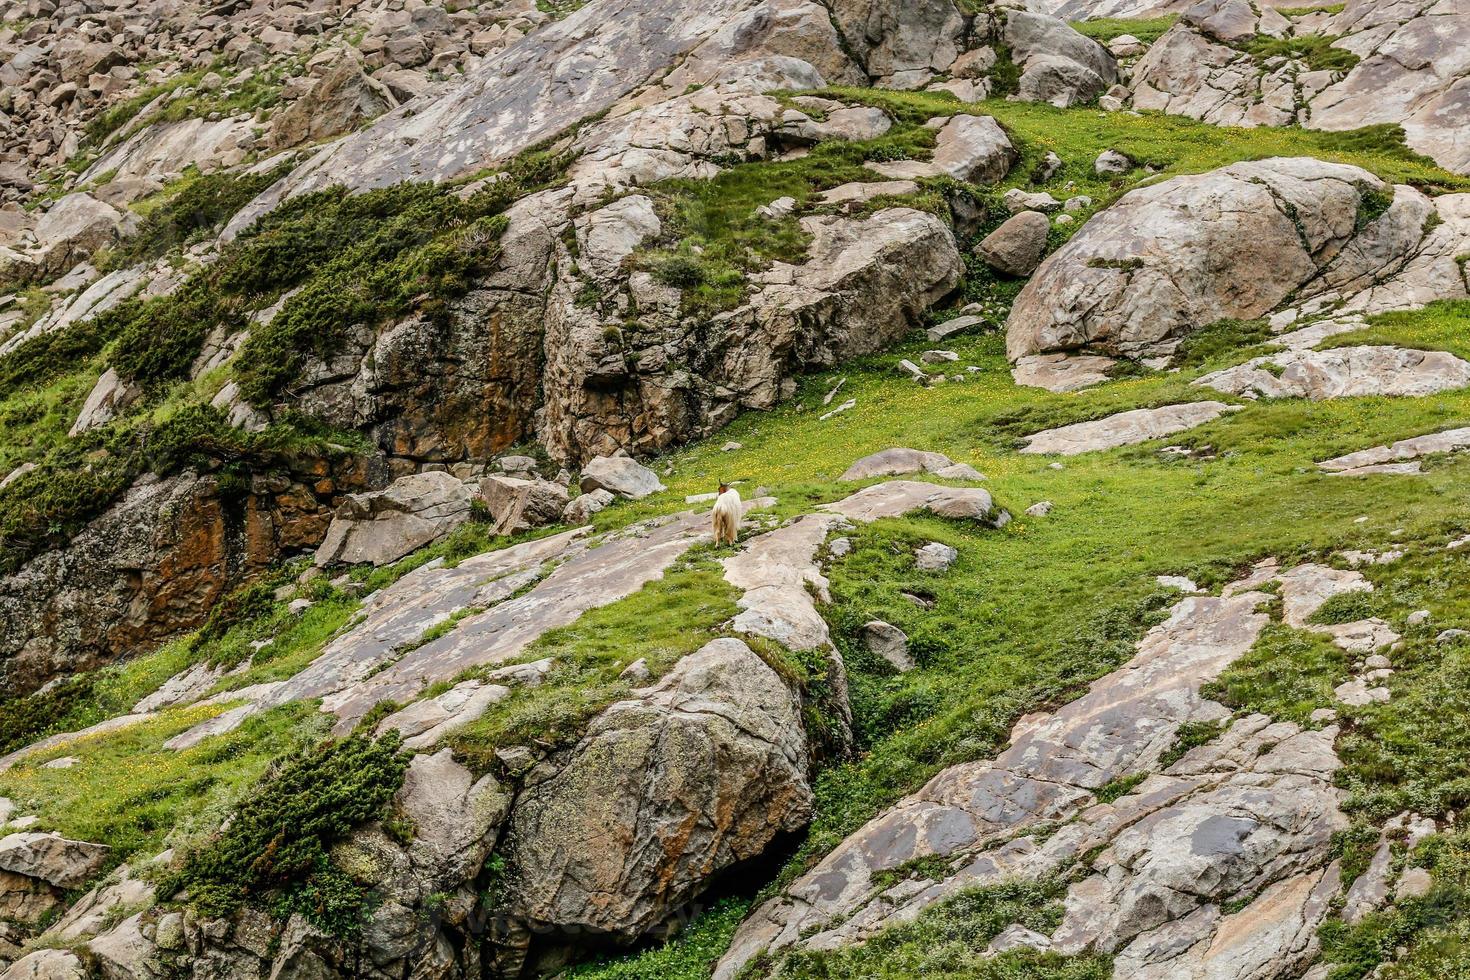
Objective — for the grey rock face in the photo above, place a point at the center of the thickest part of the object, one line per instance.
(1016, 247)
(897, 461)
(974, 148)
(935, 557)
(888, 642)
(581, 508)
(695, 774)
(534, 89)
(341, 101)
(46, 964)
(1117, 288)
(891, 38)
(1413, 72)
(384, 525)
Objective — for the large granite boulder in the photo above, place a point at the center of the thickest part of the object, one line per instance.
(382, 526)
(685, 779)
(1175, 256)
(622, 476)
(1058, 65)
(518, 505)
(890, 38)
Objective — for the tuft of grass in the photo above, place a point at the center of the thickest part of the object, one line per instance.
(1104, 29)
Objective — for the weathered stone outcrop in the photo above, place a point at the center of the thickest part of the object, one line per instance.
(1124, 428)
(1343, 372)
(865, 283)
(382, 526)
(1413, 71)
(342, 100)
(1231, 243)
(685, 779)
(155, 563)
(1249, 815)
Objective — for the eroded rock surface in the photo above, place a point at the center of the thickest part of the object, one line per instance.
(686, 778)
(1250, 814)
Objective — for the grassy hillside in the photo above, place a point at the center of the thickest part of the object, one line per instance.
(1025, 619)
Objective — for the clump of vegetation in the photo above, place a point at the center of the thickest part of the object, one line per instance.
(1435, 928)
(691, 955)
(274, 850)
(1314, 50)
(185, 212)
(351, 258)
(1223, 338)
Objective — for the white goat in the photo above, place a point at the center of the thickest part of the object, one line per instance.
(727, 512)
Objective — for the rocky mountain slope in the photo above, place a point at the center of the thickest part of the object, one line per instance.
(1097, 392)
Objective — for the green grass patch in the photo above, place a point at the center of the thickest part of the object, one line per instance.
(1314, 50)
(129, 792)
(1287, 675)
(691, 955)
(1104, 29)
(662, 623)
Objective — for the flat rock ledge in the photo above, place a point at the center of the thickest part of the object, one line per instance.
(1342, 372)
(1125, 428)
(1402, 457)
(1248, 816)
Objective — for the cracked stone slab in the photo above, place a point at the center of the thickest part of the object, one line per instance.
(1251, 813)
(1343, 372)
(1403, 456)
(1125, 428)
(1061, 372)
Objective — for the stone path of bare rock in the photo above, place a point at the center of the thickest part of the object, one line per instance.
(1250, 814)
(1125, 428)
(778, 571)
(1342, 372)
(1401, 457)
(524, 591)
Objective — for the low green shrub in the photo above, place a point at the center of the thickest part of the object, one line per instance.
(274, 851)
